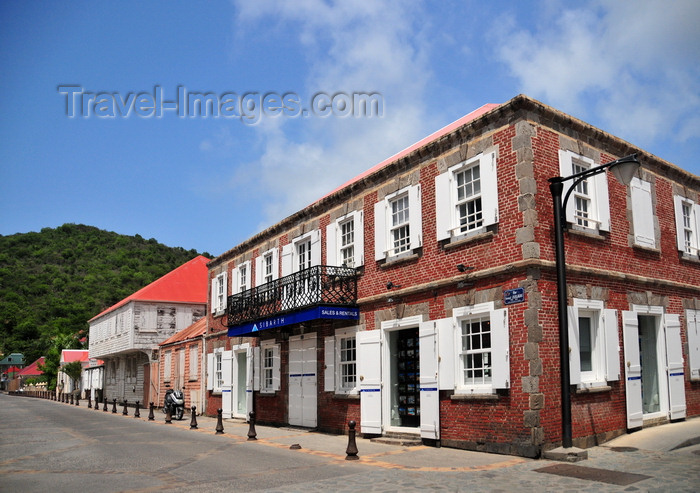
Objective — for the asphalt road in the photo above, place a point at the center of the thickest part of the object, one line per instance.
(46, 446)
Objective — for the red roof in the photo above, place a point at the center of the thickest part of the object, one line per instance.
(195, 330)
(434, 136)
(71, 355)
(33, 369)
(186, 284)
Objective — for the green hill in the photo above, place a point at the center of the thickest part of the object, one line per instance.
(54, 281)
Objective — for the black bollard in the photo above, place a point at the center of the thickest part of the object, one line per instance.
(89, 402)
(114, 406)
(77, 399)
(124, 411)
(97, 403)
(251, 429)
(193, 422)
(219, 422)
(137, 414)
(151, 417)
(352, 446)
(105, 408)
(71, 398)
(168, 415)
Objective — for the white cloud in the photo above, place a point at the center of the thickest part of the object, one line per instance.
(349, 46)
(634, 64)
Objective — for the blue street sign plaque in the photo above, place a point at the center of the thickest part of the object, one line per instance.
(516, 295)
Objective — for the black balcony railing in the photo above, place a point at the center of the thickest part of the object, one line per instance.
(318, 285)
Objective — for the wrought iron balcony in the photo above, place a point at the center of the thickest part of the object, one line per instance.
(318, 285)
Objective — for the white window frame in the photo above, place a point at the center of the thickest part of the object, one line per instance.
(687, 226)
(261, 275)
(334, 239)
(642, 213)
(605, 345)
(383, 224)
(290, 260)
(593, 189)
(219, 293)
(447, 203)
(499, 353)
(269, 366)
(217, 370)
(333, 376)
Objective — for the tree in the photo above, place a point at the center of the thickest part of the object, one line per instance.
(73, 370)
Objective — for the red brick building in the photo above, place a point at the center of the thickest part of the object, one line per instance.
(421, 297)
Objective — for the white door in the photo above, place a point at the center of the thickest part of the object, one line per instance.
(674, 366)
(429, 393)
(369, 371)
(302, 381)
(633, 369)
(226, 383)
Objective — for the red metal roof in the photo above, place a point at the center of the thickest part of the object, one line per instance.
(195, 330)
(33, 369)
(71, 355)
(186, 284)
(434, 136)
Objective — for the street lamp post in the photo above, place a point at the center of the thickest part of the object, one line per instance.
(624, 170)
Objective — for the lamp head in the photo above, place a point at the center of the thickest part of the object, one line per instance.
(625, 168)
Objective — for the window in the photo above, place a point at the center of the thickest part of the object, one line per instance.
(593, 342)
(475, 355)
(218, 371)
(219, 292)
(241, 277)
(587, 207)
(687, 225)
(303, 255)
(642, 213)
(345, 241)
(269, 366)
(692, 320)
(266, 267)
(479, 362)
(341, 361)
(194, 362)
(167, 366)
(466, 197)
(398, 223)
(304, 251)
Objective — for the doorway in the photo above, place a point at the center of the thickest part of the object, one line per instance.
(239, 391)
(302, 381)
(403, 374)
(649, 361)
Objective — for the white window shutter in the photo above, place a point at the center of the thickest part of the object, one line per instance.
(444, 211)
(612, 345)
(500, 349)
(574, 349)
(227, 377)
(287, 259)
(214, 290)
(331, 252)
(257, 370)
(359, 221)
(633, 369)
(566, 169)
(380, 231)
(675, 369)
(428, 379)
(447, 352)
(276, 378)
(259, 270)
(369, 366)
(316, 247)
(225, 281)
(234, 284)
(329, 358)
(642, 213)
(602, 199)
(415, 216)
(678, 207)
(275, 263)
(696, 213)
(489, 188)
(692, 320)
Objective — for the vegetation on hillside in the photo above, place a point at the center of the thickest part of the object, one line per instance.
(54, 281)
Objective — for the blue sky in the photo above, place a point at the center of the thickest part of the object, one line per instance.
(630, 68)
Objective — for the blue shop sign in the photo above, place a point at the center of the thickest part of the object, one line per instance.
(516, 295)
(317, 312)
